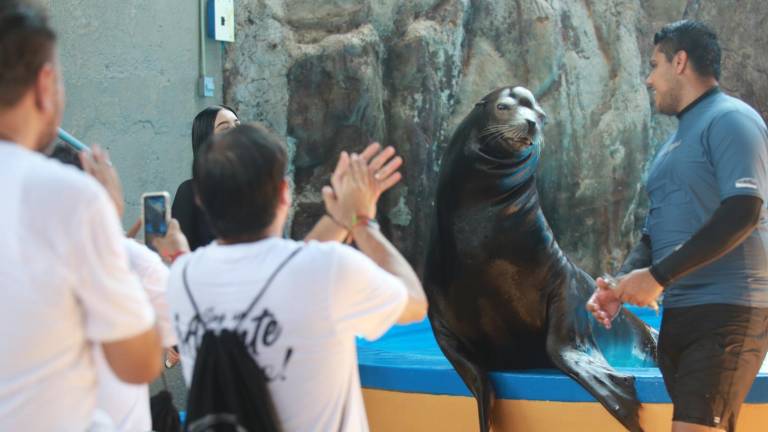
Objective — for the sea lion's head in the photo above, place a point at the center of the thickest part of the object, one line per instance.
(509, 122)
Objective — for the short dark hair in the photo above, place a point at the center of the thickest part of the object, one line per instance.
(697, 40)
(236, 177)
(203, 124)
(26, 44)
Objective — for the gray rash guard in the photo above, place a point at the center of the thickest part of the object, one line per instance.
(719, 151)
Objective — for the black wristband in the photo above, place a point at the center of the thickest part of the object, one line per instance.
(660, 277)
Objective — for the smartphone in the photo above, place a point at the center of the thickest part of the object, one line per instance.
(155, 215)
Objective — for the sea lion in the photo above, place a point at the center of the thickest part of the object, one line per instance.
(502, 294)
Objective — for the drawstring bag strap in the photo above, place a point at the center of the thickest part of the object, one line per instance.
(189, 294)
(255, 300)
(267, 284)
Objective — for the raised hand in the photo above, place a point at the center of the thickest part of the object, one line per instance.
(97, 164)
(382, 164)
(355, 193)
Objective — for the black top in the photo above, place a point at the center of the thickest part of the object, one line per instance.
(193, 222)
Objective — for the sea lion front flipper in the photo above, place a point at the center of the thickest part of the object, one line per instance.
(629, 341)
(573, 350)
(476, 378)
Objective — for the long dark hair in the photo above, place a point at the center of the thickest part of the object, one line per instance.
(203, 124)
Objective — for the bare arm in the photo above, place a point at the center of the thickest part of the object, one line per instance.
(326, 229)
(357, 204)
(135, 360)
(372, 243)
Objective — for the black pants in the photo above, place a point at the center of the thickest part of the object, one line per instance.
(709, 356)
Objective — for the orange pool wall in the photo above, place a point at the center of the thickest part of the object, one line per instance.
(392, 411)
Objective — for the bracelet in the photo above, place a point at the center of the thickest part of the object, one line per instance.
(363, 220)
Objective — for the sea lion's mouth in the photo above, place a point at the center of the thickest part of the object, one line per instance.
(520, 143)
(510, 137)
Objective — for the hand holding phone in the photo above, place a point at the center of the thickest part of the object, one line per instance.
(162, 234)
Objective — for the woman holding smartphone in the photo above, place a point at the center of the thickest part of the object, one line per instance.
(212, 120)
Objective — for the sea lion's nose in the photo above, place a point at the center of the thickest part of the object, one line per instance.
(531, 127)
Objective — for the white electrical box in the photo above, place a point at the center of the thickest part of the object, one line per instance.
(221, 20)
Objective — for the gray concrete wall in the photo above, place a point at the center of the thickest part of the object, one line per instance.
(131, 73)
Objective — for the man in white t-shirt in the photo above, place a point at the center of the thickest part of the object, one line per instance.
(302, 331)
(65, 283)
(127, 405)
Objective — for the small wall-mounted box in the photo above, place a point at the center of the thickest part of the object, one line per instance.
(206, 86)
(221, 20)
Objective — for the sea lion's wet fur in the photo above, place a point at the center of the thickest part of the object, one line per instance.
(502, 294)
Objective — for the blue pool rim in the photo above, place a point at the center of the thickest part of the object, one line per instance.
(407, 359)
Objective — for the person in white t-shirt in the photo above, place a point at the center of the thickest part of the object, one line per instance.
(302, 331)
(127, 405)
(65, 282)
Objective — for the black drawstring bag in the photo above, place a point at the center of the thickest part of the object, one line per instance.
(229, 391)
(165, 417)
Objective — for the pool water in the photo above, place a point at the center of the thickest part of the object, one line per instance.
(408, 359)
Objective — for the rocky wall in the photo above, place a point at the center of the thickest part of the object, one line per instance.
(335, 74)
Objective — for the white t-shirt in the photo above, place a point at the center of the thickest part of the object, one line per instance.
(302, 331)
(64, 284)
(128, 404)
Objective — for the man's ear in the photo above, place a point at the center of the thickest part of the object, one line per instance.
(680, 61)
(45, 88)
(285, 193)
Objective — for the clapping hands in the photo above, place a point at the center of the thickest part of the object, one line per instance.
(358, 181)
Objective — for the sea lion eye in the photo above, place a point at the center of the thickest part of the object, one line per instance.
(525, 102)
(502, 107)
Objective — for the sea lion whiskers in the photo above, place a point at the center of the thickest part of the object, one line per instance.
(513, 133)
(494, 132)
(494, 128)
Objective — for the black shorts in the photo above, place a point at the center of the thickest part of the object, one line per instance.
(709, 356)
